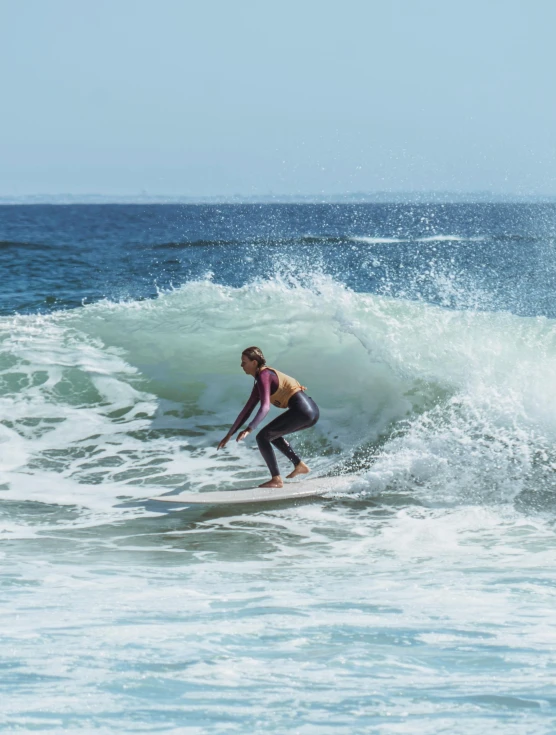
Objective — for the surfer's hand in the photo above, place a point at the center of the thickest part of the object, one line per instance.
(243, 434)
(224, 441)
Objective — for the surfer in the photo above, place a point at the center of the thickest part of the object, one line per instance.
(272, 386)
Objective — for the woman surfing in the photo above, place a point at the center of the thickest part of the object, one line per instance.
(272, 386)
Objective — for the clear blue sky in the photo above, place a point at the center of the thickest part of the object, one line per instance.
(292, 97)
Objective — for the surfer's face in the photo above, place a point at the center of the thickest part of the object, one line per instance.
(249, 366)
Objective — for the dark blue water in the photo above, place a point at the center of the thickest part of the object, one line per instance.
(496, 257)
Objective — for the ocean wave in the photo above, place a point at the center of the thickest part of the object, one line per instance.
(440, 238)
(324, 239)
(451, 238)
(333, 240)
(6, 244)
(256, 241)
(120, 401)
(377, 240)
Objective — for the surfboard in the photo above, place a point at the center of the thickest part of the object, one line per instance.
(315, 487)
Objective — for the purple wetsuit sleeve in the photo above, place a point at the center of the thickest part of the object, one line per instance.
(247, 410)
(265, 381)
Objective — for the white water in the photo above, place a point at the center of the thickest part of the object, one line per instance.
(421, 601)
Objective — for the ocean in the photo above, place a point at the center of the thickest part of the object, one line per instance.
(419, 600)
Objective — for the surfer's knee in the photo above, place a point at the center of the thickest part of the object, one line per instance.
(262, 437)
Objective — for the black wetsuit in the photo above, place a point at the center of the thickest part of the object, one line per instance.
(302, 413)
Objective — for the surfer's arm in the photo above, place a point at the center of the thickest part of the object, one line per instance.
(246, 411)
(263, 385)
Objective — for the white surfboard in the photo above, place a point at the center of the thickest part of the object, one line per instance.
(314, 487)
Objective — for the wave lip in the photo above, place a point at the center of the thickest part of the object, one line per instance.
(442, 238)
(377, 240)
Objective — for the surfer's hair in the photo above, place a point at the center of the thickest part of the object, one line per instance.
(255, 353)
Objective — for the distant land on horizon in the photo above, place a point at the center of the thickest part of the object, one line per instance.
(379, 197)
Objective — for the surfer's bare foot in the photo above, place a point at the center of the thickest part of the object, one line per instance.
(275, 482)
(300, 469)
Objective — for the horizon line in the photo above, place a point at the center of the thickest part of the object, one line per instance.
(397, 197)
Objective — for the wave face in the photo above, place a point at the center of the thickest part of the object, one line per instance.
(416, 601)
(131, 398)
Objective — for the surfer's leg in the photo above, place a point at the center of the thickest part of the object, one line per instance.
(303, 414)
(266, 450)
(286, 448)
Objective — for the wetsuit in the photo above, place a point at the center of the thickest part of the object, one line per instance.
(302, 412)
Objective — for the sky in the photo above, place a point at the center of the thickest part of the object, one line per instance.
(297, 97)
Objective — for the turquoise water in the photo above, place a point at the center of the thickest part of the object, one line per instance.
(419, 600)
